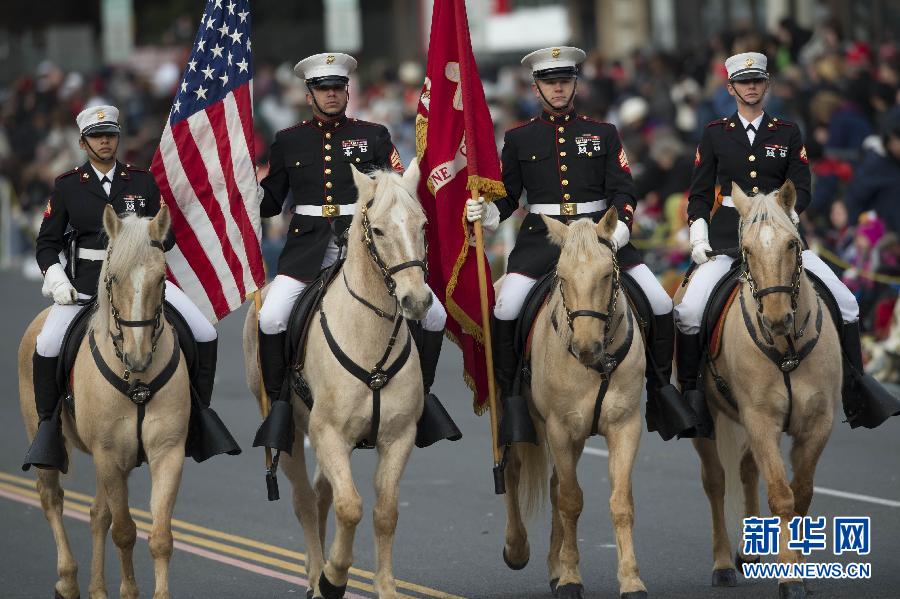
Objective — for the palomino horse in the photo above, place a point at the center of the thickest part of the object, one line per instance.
(571, 373)
(384, 271)
(781, 360)
(127, 328)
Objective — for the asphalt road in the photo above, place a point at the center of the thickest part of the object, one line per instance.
(232, 543)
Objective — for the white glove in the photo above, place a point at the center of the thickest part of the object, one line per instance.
(488, 214)
(621, 235)
(58, 286)
(700, 241)
(795, 218)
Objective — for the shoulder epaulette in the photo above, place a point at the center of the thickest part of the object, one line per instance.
(136, 169)
(584, 117)
(721, 121)
(292, 127)
(67, 173)
(781, 123)
(367, 123)
(525, 124)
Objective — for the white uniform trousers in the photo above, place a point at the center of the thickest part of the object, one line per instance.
(689, 312)
(284, 291)
(49, 340)
(515, 289)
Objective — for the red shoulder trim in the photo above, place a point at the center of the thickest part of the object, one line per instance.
(721, 121)
(136, 169)
(301, 124)
(525, 124)
(67, 173)
(781, 123)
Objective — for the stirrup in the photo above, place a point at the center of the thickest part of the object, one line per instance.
(516, 425)
(277, 430)
(435, 424)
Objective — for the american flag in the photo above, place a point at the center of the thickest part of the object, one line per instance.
(205, 166)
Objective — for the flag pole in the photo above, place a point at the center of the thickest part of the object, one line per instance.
(271, 479)
(499, 482)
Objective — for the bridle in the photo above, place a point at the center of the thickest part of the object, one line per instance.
(606, 317)
(118, 337)
(388, 272)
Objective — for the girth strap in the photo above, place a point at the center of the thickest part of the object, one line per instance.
(375, 379)
(138, 392)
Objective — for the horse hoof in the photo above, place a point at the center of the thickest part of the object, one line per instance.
(553, 584)
(791, 590)
(328, 590)
(573, 590)
(511, 565)
(309, 594)
(634, 595)
(740, 560)
(724, 577)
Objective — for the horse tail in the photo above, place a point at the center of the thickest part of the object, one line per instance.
(731, 444)
(533, 479)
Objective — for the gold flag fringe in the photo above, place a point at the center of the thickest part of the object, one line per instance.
(470, 382)
(491, 189)
(421, 135)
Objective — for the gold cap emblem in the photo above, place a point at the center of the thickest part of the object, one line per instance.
(749, 62)
(329, 59)
(555, 52)
(100, 115)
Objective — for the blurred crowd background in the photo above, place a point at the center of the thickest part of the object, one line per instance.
(834, 76)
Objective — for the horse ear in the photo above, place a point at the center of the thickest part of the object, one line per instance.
(557, 232)
(111, 222)
(365, 185)
(607, 225)
(740, 199)
(159, 226)
(411, 178)
(787, 196)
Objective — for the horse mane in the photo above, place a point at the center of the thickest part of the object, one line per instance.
(388, 183)
(767, 208)
(582, 244)
(131, 249)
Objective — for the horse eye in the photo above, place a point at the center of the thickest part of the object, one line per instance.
(377, 231)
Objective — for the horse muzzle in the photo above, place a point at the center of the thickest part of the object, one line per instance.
(135, 364)
(588, 354)
(415, 308)
(779, 328)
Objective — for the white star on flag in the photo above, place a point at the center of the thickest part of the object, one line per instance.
(223, 30)
(236, 37)
(177, 105)
(209, 24)
(243, 16)
(231, 8)
(192, 65)
(218, 3)
(217, 51)
(201, 45)
(184, 86)
(207, 72)
(229, 59)
(224, 79)
(242, 66)
(201, 92)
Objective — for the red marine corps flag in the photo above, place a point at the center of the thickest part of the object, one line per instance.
(457, 155)
(205, 167)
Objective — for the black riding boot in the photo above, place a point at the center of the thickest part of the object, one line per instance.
(515, 420)
(277, 430)
(435, 423)
(208, 436)
(667, 411)
(47, 448)
(866, 402)
(688, 350)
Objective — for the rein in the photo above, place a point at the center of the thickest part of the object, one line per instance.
(138, 392)
(609, 362)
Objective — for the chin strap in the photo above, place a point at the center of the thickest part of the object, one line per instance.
(319, 108)
(568, 105)
(738, 94)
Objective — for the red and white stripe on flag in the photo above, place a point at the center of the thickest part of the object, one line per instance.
(205, 169)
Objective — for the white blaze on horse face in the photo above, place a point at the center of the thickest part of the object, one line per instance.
(766, 236)
(407, 239)
(137, 308)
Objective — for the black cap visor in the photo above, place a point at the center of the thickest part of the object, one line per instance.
(556, 73)
(101, 129)
(327, 82)
(749, 74)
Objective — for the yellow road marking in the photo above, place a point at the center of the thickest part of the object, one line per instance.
(72, 497)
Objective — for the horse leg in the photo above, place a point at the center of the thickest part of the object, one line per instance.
(750, 482)
(515, 549)
(324, 499)
(304, 499)
(570, 500)
(713, 476)
(392, 461)
(805, 453)
(165, 475)
(334, 456)
(556, 533)
(623, 439)
(763, 433)
(52, 495)
(101, 518)
(124, 531)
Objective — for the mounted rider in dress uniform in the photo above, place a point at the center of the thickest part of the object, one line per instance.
(73, 223)
(759, 152)
(572, 167)
(309, 170)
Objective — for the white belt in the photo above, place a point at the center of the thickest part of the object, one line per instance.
(88, 254)
(568, 208)
(327, 210)
(727, 201)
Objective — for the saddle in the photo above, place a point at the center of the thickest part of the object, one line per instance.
(305, 306)
(537, 299)
(77, 330)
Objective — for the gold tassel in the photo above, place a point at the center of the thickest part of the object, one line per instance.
(421, 135)
(489, 188)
